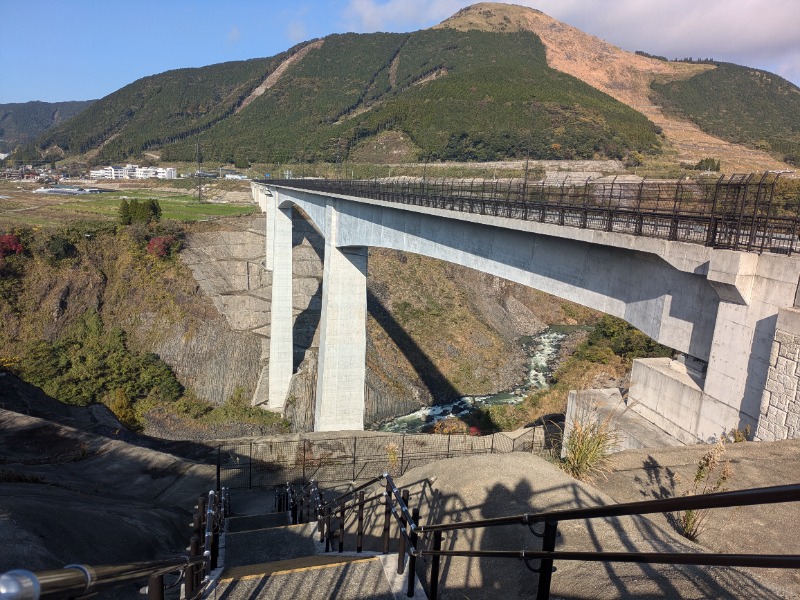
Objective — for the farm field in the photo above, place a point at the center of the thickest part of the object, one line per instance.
(21, 207)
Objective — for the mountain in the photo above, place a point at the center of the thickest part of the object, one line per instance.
(638, 80)
(22, 122)
(494, 81)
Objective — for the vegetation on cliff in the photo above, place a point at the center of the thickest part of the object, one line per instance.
(72, 305)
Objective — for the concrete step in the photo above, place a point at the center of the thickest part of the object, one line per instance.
(331, 576)
(270, 544)
(253, 522)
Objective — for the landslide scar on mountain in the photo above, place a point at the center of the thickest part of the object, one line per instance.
(273, 77)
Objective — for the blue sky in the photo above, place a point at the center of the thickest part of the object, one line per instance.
(57, 50)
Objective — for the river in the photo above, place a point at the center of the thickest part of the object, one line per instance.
(542, 351)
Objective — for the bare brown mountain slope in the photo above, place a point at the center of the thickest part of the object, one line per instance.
(622, 75)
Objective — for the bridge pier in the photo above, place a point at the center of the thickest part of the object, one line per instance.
(341, 370)
(281, 342)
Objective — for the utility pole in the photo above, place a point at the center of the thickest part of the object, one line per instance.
(199, 177)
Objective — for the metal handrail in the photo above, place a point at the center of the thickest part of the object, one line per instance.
(547, 555)
(79, 580)
(349, 493)
(765, 495)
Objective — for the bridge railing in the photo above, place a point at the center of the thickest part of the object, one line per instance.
(735, 212)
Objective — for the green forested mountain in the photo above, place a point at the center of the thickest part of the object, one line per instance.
(456, 95)
(155, 110)
(22, 122)
(739, 104)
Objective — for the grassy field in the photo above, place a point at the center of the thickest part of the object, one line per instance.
(20, 207)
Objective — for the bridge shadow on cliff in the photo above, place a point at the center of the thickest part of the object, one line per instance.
(433, 379)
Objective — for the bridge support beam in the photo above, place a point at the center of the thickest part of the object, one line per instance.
(281, 343)
(343, 334)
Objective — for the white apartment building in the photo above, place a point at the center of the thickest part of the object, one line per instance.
(134, 172)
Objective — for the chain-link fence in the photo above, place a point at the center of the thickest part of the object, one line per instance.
(336, 459)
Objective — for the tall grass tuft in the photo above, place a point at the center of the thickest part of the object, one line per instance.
(587, 447)
(711, 475)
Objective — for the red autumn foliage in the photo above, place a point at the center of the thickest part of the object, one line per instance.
(10, 244)
(160, 246)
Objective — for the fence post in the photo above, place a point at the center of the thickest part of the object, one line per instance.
(412, 558)
(304, 461)
(360, 532)
(546, 566)
(448, 445)
(492, 450)
(402, 453)
(155, 587)
(437, 559)
(250, 478)
(354, 457)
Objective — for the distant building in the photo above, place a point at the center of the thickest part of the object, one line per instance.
(134, 172)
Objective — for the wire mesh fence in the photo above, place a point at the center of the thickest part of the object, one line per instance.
(358, 458)
(735, 212)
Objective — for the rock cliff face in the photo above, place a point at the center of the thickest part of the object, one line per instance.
(436, 331)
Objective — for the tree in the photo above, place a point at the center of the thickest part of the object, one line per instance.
(124, 212)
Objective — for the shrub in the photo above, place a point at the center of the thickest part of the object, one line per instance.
(58, 248)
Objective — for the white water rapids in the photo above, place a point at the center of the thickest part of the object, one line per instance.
(542, 350)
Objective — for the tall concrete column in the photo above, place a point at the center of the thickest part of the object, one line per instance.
(343, 334)
(281, 344)
(270, 206)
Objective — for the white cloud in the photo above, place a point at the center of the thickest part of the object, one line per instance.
(398, 15)
(297, 31)
(234, 35)
(755, 33)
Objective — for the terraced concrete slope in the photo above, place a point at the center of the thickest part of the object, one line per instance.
(622, 75)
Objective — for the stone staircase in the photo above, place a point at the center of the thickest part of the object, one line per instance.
(266, 557)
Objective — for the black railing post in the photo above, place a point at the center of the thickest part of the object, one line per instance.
(546, 566)
(341, 526)
(250, 478)
(155, 587)
(412, 557)
(191, 571)
(387, 516)
(321, 517)
(360, 530)
(328, 532)
(219, 467)
(435, 563)
(401, 542)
